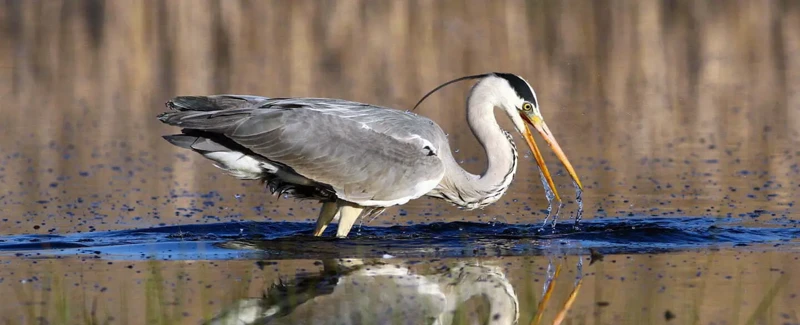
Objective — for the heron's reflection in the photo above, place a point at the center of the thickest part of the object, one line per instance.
(355, 292)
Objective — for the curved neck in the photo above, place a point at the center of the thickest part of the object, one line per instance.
(475, 191)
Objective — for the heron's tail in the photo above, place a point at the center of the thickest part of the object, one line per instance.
(226, 155)
(205, 121)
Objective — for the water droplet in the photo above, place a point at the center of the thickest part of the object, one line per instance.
(579, 200)
(550, 197)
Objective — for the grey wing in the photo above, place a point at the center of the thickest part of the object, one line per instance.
(368, 155)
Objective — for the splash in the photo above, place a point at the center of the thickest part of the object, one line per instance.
(550, 198)
(579, 200)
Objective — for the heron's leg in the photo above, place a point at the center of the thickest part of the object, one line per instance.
(349, 214)
(326, 213)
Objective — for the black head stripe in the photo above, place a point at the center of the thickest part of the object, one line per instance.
(520, 86)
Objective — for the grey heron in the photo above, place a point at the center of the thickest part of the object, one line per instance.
(351, 291)
(356, 158)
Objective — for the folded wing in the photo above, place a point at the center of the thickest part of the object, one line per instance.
(368, 155)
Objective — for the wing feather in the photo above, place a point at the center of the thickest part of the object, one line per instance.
(365, 153)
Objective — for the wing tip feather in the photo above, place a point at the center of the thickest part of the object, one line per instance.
(181, 140)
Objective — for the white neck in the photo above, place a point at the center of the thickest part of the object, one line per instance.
(475, 191)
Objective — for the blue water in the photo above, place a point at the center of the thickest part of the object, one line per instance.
(293, 240)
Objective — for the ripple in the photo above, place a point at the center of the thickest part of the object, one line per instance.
(284, 240)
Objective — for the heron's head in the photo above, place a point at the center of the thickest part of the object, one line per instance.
(519, 100)
(516, 97)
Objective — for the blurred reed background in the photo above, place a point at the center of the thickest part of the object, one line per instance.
(622, 84)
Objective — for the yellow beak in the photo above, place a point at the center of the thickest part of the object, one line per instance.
(539, 125)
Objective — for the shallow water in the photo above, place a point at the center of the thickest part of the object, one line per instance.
(631, 270)
(293, 240)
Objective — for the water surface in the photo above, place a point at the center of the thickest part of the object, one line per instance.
(624, 270)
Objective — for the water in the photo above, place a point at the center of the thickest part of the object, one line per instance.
(579, 202)
(293, 240)
(281, 274)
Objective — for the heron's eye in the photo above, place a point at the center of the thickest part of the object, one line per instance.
(527, 107)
